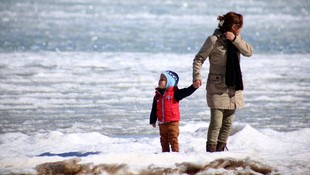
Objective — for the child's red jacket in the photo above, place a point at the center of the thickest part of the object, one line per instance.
(165, 106)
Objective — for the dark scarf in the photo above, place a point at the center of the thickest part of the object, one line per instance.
(233, 77)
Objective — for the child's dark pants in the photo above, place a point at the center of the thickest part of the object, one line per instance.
(169, 132)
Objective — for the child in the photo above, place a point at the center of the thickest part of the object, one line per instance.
(165, 108)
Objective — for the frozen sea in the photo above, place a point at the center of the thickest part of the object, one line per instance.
(77, 79)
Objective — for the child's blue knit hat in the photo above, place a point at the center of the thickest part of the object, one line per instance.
(172, 78)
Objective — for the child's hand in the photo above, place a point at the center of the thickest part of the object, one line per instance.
(154, 125)
(197, 83)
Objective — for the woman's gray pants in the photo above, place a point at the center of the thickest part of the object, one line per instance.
(220, 124)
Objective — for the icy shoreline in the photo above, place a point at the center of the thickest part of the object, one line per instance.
(276, 152)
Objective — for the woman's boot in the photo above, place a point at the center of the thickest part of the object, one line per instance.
(211, 147)
(220, 146)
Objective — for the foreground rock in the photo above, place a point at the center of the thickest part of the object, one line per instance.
(218, 166)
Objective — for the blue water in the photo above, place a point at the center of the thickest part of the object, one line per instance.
(279, 26)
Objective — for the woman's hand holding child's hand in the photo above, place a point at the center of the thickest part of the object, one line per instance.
(197, 83)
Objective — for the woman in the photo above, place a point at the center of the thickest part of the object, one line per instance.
(224, 85)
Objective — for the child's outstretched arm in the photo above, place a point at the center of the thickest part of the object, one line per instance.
(185, 92)
(153, 115)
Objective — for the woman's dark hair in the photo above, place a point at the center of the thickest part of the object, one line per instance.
(230, 19)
